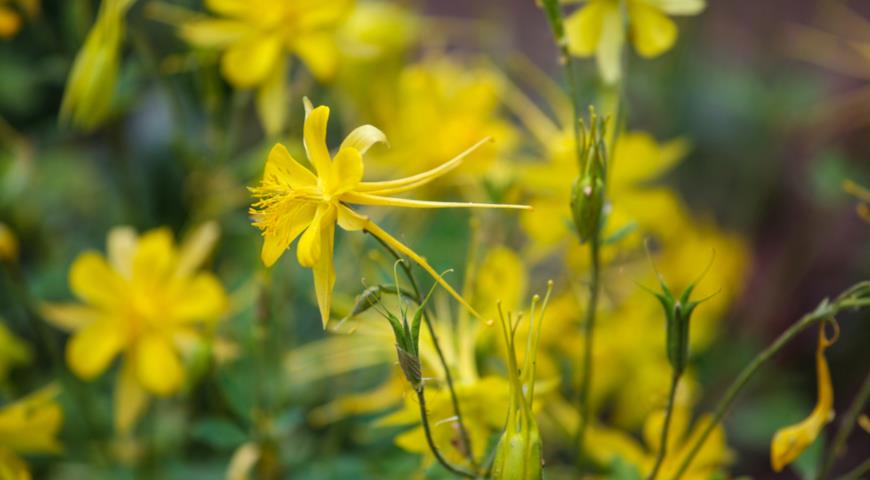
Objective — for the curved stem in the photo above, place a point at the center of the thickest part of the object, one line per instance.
(663, 447)
(463, 432)
(424, 419)
(846, 426)
(849, 299)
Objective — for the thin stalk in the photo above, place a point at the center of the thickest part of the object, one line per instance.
(663, 447)
(850, 418)
(588, 330)
(424, 419)
(825, 310)
(856, 473)
(466, 440)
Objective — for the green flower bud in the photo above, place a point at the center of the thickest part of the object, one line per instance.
(587, 203)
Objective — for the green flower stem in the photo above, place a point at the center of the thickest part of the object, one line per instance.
(846, 426)
(589, 330)
(663, 447)
(466, 440)
(857, 472)
(424, 419)
(851, 298)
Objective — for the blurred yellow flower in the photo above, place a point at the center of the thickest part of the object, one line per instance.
(146, 302)
(11, 15)
(13, 351)
(857, 191)
(8, 244)
(90, 87)
(254, 37)
(451, 106)
(788, 443)
(292, 201)
(600, 28)
(29, 425)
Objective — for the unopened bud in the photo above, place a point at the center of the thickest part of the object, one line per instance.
(587, 203)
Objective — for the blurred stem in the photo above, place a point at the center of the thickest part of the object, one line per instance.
(850, 418)
(854, 297)
(856, 473)
(424, 419)
(466, 440)
(588, 330)
(663, 447)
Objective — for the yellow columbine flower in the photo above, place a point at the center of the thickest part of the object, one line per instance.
(255, 36)
(789, 442)
(292, 201)
(90, 88)
(599, 28)
(146, 302)
(29, 425)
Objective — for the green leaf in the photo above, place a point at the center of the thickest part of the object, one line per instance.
(218, 433)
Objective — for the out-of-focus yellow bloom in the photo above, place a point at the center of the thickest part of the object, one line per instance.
(8, 244)
(599, 28)
(291, 201)
(13, 351)
(255, 36)
(376, 30)
(148, 301)
(451, 106)
(863, 196)
(11, 15)
(87, 100)
(789, 442)
(29, 425)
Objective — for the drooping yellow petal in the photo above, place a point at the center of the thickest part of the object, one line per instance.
(408, 183)
(368, 199)
(309, 248)
(248, 63)
(130, 398)
(286, 227)
(609, 49)
(324, 271)
(94, 281)
(363, 137)
(350, 220)
(347, 171)
(157, 365)
(314, 139)
(789, 442)
(652, 32)
(91, 349)
(583, 28)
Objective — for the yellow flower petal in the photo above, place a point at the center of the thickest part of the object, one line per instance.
(31, 424)
(70, 317)
(93, 281)
(347, 170)
(653, 33)
(363, 137)
(130, 399)
(319, 53)
(640, 158)
(121, 246)
(214, 33)
(679, 7)
(157, 365)
(154, 259)
(309, 248)
(91, 349)
(609, 49)
(283, 169)
(583, 28)
(230, 8)
(11, 466)
(248, 63)
(197, 246)
(314, 140)
(272, 98)
(202, 298)
(324, 271)
(367, 199)
(288, 227)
